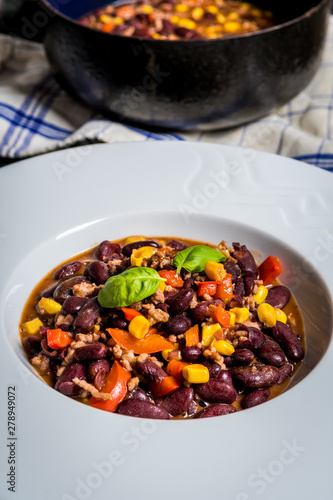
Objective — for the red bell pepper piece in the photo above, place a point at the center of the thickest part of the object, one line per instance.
(224, 290)
(269, 270)
(57, 338)
(207, 287)
(172, 278)
(221, 316)
(152, 342)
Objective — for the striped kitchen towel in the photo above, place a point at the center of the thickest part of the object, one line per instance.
(37, 115)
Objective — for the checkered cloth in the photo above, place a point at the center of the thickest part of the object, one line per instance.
(37, 115)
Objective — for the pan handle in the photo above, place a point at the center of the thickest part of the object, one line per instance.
(26, 19)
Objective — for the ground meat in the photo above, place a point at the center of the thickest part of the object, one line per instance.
(157, 297)
(63, 319)
(143, 357)
(126, 359)
(160, 260)
(207, 297)
(172, 338)
(117, 351)
(156, 361)
(137, 306)
(156, 315)
(92, 389)
(249, 303)
(224, 248)
(83, 289)
(194, 302)
(133, 383)
(89, 337)
(169, 288)
(41, 362)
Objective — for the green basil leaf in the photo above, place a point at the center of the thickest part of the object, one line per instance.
(193, 259)
(128, 287)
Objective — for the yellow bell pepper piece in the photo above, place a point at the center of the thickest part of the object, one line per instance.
(197, 13)
(186, 23)
(215, 271)
(196, 374)
(32, 326)
(267, 315)
(162, 286)
(241, 314)
(208, 332)
(49, 305)
(138, 327)
(133, 239)
(223, 347)
(261, 295)
(138, 255)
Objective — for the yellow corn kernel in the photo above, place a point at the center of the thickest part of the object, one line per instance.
(50, 306)
(116, 21)
(232, 318)
(133, 239)
(180, 7)
(256, 12)
(138, 327)
(186, 23)
(233, 16)
(157, 36)
(138, 255)
(267, 315)
(223, 347)
(32, 326)
(174, 19)
(196, 374)
(241, 314)
(147, 9)
(96, 328)
(261, 295)
(212, 9)
(85, 401)
(220, 18)
(106, 19)
(197, 13)
(280, 315)
(245, 5)
(208, 332)
(214, 270)
(162, 286)
(232, 26)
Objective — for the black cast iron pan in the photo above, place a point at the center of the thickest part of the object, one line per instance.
(199, 84)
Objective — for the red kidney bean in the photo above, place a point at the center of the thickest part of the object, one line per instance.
(49, 291)
(291, 345)
(64, 289)
(120, 323)
(191, 354)
(92, 352)
(198, 313)
(97, 271)
(244, 259)
(97, 366)
(178, 402)
(87, 316)
(168, 27)
(255, 398)
(176, 245)
(248, 279)
(144, 409)
(285, 371)
(236, 301)
(242, 357)
(169, 295)
(50, 353)
(239, 289)
(225, 376)
(32, 345)
(216, 391)
(151, 371)
(188, 283)
(178, 324)
(65, 385)
(255, 338)
(233, 269)
(213, 368)
(128, 249)
(73, 304)
(272, 353)
(187, 34)
(181, 301)
(64, 321)
(43, 330)
(163, 306)
(278, 296)
(216, 302)
(67, 270)
(106, 249)
(215, 411)
(139, 393)
(100, 378)
(255, 376)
